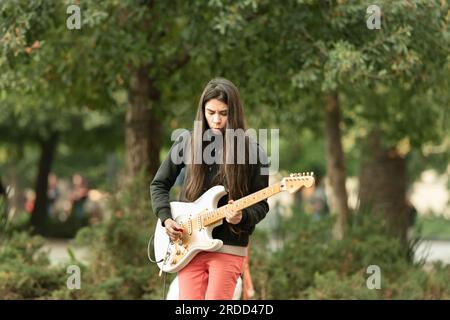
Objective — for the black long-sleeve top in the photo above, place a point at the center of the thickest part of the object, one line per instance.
(170, 169)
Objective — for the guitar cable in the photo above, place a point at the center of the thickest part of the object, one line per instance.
(154, 261)
(148, 250)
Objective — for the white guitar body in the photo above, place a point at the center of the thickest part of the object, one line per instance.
(196, 238)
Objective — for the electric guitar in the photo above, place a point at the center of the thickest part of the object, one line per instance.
(199, 218)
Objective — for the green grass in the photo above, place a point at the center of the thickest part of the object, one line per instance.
(436, 228)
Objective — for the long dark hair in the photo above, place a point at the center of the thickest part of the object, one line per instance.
(235, 176)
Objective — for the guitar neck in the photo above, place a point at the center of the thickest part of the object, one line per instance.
(214, 216)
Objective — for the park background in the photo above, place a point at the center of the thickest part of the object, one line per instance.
(86, 115)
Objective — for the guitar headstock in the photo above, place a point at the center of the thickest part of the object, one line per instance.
(297, 180)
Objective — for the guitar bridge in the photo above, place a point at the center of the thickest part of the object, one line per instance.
(189, 225)
(199, 222)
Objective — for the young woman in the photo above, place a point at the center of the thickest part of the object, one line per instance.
(213, 275)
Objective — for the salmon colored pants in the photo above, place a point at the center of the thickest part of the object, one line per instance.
(210, 276)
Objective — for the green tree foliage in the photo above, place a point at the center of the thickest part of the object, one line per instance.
(312, 265)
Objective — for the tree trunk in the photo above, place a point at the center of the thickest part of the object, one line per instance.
(383, 185)
(2, 189)
(4, 210)
(39, 214)
(336, 170)
(17, 194)
(143, 136)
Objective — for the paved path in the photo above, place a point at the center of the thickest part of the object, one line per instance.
(58, 253)
(434, 250)
(431, 250)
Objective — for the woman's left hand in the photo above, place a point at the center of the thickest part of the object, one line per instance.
(233, 217)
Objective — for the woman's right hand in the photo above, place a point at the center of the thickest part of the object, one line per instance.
(173, 229)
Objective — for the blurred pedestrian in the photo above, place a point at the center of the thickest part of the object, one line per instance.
(30, 199)
(52, 194)
(79, 195)
(317, 201)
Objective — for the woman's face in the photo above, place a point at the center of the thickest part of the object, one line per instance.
(216, 114)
